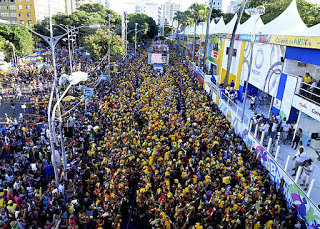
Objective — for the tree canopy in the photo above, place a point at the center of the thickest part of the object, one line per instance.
(97, 44)
(20, 37)
(146, 25)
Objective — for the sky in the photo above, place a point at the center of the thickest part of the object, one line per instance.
(118, 5)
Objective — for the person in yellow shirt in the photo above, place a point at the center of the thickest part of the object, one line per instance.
(307, 78)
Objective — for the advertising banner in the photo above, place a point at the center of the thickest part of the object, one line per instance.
(266, 66)
(306, 107)
(302, 42)
(288, 96)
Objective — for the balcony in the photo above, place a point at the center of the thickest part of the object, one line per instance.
(310, 92)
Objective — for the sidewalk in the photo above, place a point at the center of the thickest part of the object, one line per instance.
(286, 150)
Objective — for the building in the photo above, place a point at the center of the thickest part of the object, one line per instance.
(29, 11)
(153, 10)
(70, 6)
(169, 9)
(140, 8)
(218, 4)
(234, 6)
(107, 4)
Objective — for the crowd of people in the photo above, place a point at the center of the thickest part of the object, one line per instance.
(154, 146)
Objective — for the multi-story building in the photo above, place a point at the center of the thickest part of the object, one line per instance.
(218, 4)
(107, 4)
(169, 9)
(29, 11)
(70, 6)
(234, 6)
(153, 10)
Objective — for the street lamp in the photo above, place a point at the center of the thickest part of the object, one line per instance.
(256, 13)
(15, 61)
(52, 42)
(135, 38)
(109, 32)
(207, 34)
(73, 79)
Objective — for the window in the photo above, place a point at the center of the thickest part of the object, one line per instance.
(20, 7)
(28, 14)
(29, 22)
(28, 7)
(22, 22)
(20, 14)
(13, 14)
(12, 7)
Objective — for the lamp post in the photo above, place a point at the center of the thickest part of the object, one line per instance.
(14, 58)
(109, 33)
(52, 42)
(135, 38)
(257, 12)
(66, 29)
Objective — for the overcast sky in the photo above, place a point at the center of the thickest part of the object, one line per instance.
(118, 5)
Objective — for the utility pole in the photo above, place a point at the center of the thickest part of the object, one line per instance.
(135, 38)
(126, 34)
(109, 33)
(207, 37)
(230, 53)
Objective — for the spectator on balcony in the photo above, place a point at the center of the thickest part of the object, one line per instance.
(297, 138)
(232, 84)
(307, 78)
(252, 102)
(285, 131)
(300, 158)
(314, 84)
(307, 172)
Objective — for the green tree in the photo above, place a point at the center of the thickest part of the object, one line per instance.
(20, 37)
(167, 30)
(146, 25)
(198, 13)
(216, 13)
(97, 44)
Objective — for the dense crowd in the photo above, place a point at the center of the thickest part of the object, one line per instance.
(149, 145)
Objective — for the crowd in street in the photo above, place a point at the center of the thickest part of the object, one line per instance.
(149, 145)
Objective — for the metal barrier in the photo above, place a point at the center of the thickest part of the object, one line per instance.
(309, 92)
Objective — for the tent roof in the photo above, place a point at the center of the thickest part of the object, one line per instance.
(288, 22)
(228, 27)
(219, 26)
(248, 26)
(313, 31)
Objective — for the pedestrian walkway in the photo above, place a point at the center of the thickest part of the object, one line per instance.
(285, 150)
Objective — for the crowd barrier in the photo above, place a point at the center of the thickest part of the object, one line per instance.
(291, 191)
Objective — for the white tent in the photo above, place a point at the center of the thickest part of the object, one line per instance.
(313, 31)
(219, 26)
(287, 23)
(248, 26)
(201, 28)
(228, 27)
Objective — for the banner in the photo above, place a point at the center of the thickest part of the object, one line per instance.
(266, 66)
(302, 42)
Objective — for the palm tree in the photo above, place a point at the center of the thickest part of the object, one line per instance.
(183, 19)
(199, 14)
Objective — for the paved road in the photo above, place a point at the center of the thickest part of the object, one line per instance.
(5, 108)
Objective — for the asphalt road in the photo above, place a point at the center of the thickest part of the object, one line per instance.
(5, 108)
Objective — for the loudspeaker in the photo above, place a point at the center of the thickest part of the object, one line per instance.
(68, 131)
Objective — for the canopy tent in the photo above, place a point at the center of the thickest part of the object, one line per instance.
(219, 26)
(248, 26)
(211, 26)
(189, 30)
(228, 27)
(201, 28)
(313, 31)
(288, 22)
